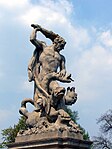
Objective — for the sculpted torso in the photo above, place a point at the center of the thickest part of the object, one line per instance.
(49, 60)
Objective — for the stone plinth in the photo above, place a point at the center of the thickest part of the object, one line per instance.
(51, 140)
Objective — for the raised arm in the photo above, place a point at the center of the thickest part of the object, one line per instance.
(48, 34)
(37, 43)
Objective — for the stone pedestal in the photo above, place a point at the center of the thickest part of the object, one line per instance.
(51, 140)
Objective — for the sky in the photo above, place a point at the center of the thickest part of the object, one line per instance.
(86, 25)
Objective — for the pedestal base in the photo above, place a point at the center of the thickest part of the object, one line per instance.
(51, 140)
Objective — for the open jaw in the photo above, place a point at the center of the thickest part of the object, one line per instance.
(59, 92)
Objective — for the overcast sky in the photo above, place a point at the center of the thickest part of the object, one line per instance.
(86, 25)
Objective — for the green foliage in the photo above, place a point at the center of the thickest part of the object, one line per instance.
(10, 133)
(74, 116)
(85, 134)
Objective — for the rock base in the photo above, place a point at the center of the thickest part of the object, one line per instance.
(56, 139)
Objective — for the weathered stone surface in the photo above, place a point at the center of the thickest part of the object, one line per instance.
(50, 100)
(49, 124)
(50, 134)
(53, 140)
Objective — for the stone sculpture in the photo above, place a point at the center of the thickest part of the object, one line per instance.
(50, 99)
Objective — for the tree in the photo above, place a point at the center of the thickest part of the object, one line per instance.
(104, 139)
(74, 116)
(10, 133)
